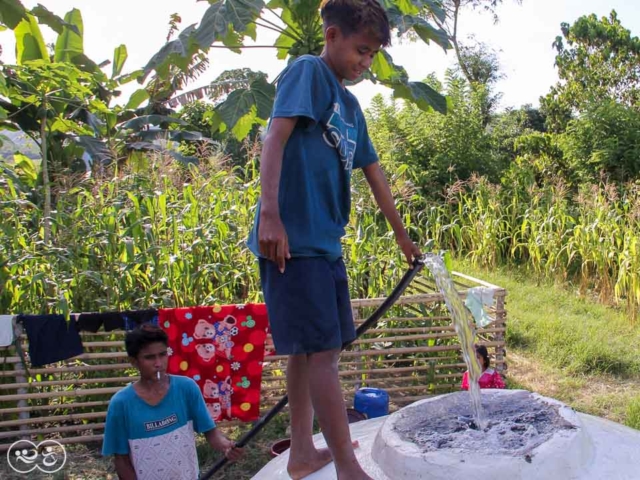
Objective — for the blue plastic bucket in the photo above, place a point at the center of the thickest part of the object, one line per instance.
(373, 402)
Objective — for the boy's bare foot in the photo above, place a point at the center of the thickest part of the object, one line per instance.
(303, 466)
(306, 465)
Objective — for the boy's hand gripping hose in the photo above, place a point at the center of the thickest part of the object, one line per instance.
(368, 323)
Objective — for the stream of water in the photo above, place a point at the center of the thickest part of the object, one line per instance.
(464, 325)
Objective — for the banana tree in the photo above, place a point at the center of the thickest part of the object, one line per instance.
(54, 96)
(47, 95)
(228, 23)
(62, 99)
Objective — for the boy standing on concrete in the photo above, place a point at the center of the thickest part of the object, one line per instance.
(316, 137)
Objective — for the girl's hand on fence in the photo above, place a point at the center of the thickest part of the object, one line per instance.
(410, 249)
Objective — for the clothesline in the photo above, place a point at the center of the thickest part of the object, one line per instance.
(221, 348)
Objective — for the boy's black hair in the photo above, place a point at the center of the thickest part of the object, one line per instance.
(146, 334)
(482, 351)
(354, 16)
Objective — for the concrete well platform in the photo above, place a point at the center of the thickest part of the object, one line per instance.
(600, 450)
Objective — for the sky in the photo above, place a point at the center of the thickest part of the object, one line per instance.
(523, 38)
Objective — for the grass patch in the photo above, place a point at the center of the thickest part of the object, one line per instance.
(257, 453)
(569, 347)
(563, 329)
(606, 396)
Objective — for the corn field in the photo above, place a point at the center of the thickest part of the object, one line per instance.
(589, 238)
(167, 237)
(159, 235)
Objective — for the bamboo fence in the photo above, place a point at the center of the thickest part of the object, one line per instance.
(412, 353)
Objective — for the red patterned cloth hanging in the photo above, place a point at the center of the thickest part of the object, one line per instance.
(222, 348)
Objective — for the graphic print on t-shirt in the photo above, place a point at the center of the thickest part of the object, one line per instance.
(342, 136)
(158, 424)
(170, 455)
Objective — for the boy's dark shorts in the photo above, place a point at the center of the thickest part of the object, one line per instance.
(308, 305)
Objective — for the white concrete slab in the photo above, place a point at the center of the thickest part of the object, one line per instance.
(616, 453)
(562, 456)
(365, 432)
(616, 450)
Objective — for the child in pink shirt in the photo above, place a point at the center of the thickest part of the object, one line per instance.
(489, 378)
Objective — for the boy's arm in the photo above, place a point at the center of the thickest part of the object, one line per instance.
(124, 467)
(115, 440)
(381, 192)
(272, 237)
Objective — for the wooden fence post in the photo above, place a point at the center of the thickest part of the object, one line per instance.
(358, 362)
(21, 378)
(500, 323)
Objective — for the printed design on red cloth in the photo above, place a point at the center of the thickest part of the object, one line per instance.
(222, 348)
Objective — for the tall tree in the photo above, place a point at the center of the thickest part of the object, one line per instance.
(598, 61)
(482, 67)
(451, 25)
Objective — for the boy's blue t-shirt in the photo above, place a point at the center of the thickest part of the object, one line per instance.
(328, 142)
(160, 439)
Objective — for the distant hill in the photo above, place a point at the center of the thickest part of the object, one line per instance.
(13, 142)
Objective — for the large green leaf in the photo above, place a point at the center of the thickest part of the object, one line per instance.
(245, 124)
(130, 77)
(52, 20)
(12, 12)
(228, 21)
(85, 63)
(177, 52)
(242, 102)
(137, 98)
(284, 42)
(94, 122)
(427, 32)
(95, 148)
(119, 58)
(29, 42)
(184, 159)
(407, 7)
(386, 71)
(242, 13)
(25, 167)
(232, 40)
(433, 6)
(416, 7)
(213, 26)
(425, 97)
(139, 122)
(70, 43)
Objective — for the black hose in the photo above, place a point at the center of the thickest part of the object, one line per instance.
(368, 323)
